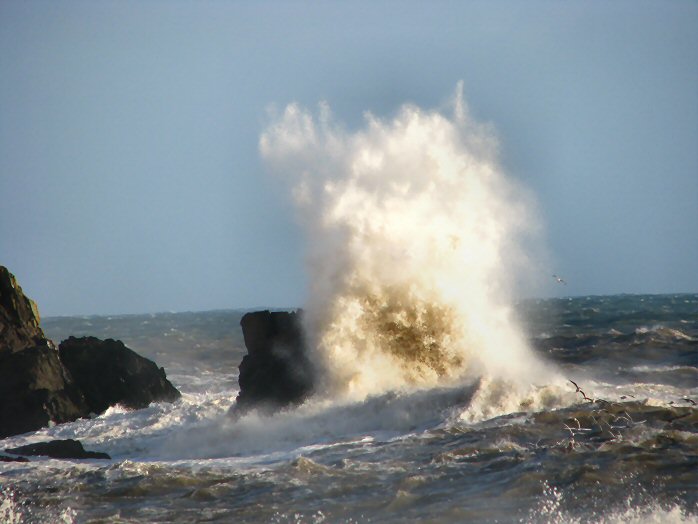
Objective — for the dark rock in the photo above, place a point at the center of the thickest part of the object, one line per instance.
(39, 386)
(5, 458)
(62, 449)
(276, 371)
(19, 316)
(35, 389)
(109, 373)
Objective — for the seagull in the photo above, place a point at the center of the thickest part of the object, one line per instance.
(580, 390)
(559, 280)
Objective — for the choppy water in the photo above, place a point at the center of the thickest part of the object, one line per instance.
(630, 456)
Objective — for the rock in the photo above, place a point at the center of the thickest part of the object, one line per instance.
(109, 373)
(276, 371)
(63, 449)
(35, 389)
(19, 317)
(5, 458)
(40, 386)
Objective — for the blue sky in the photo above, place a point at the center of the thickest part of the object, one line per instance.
(130, 176)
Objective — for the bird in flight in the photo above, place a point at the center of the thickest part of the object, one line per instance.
(559, 280)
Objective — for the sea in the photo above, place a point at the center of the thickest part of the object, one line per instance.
(617, 442)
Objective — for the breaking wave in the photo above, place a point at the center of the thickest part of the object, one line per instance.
(416, 241)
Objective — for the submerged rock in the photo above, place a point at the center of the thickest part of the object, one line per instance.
(276, 371)
(109, 373)
(5, 458)
(62, 449)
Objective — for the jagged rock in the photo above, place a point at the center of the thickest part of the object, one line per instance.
(35, 389)
(109, 373)
(19, 316)
(62, 449)
(276, 371)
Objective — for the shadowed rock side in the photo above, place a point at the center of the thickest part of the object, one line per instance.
(35, 389)
(276, 371)
(108, 373)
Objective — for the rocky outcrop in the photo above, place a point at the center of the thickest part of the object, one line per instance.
(276, 371)
(35, 389)
(40, 386)
(19, 317)
(109, 373)
(62, 449)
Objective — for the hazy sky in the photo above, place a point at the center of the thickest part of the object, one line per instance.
(130, 176)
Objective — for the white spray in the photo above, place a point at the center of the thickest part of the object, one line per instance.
(414, 245)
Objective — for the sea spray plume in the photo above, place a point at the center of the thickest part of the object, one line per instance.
(414, 242)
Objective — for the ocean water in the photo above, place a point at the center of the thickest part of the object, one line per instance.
(473, 451)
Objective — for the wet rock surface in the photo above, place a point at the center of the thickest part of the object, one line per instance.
(61, 449)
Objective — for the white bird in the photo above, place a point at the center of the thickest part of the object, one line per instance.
(559, 280)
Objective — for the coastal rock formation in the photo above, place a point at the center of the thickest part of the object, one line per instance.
(62, 449)
(35, 388)
(276, 371)
(109, 373)
(40, 385)
(19, 316)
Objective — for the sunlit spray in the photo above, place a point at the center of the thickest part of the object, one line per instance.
(415, 242)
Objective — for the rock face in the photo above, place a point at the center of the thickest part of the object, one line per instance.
(35, 389)
(39, 385)
(276, 371)
(108, 373)
(19, 316)
(63, 449)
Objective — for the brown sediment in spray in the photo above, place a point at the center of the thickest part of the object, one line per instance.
(418, 334)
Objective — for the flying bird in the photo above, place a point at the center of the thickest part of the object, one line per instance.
(559, 280)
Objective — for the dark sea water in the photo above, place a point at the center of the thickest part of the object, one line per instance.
(452, 454)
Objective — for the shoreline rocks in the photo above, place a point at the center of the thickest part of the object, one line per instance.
(61, 449)
(40, 385)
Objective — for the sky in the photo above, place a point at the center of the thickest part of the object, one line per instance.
(130, 173)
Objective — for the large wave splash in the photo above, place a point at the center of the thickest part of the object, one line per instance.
(415, 242)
